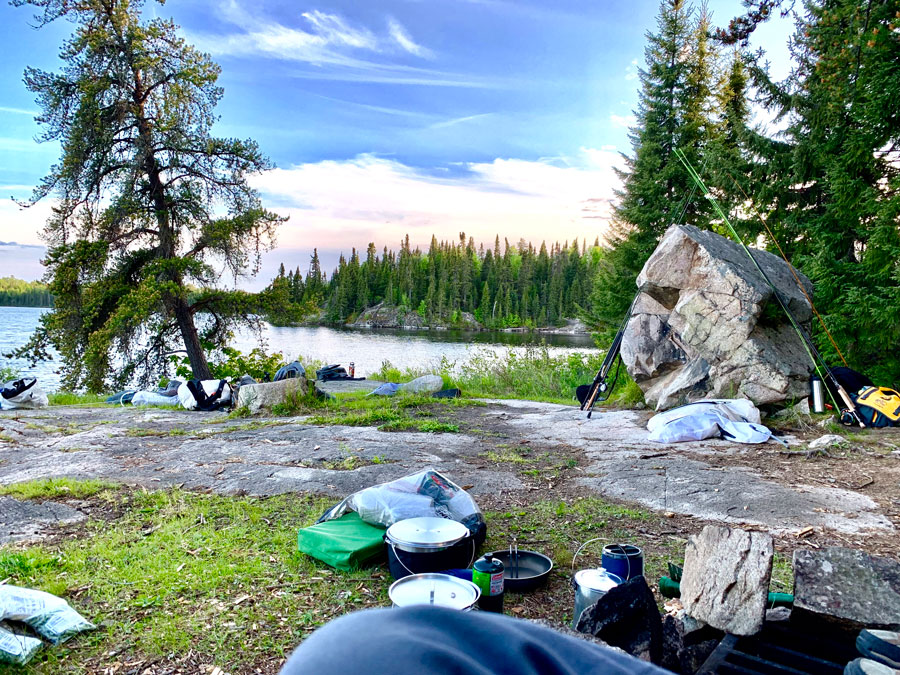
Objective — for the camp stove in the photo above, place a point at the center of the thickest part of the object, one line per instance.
(782, 648)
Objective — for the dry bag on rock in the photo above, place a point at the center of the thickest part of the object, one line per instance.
(204, 395)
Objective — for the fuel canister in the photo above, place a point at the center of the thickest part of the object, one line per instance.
(487, 574)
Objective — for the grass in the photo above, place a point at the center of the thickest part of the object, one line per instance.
(180, 571)
(54, 488)
(73, 398)
(402, 412)
(174, 575)
(534, 374)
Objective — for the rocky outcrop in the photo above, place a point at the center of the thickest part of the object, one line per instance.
(846, 589)
(726, 578)
(706, 324)
(383, 315)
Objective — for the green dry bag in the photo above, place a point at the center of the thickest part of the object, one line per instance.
(346, 543)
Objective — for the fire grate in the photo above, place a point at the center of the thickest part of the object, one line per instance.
(779, 649)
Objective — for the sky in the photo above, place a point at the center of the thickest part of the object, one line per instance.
(390, 118)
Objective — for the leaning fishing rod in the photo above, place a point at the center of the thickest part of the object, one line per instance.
(600, 390)
(814, 355)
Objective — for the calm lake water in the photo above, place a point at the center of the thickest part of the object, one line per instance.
(366, 348)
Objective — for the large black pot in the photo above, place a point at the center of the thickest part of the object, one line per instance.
(421, 545)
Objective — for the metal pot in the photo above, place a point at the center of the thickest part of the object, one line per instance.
(590, 586)
(418, 545)
(440, 590)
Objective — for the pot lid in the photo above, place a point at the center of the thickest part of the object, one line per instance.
(596, 579)
(427, 532)
(440, 590)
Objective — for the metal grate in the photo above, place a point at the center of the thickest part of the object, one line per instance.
(780, 649)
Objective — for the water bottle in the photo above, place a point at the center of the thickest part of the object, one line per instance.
(487, 574)
(818, 399)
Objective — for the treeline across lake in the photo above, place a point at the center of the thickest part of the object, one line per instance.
(17, 293)
(501, 287)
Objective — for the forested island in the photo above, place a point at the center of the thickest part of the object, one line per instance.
(17, 293)
(452, 284)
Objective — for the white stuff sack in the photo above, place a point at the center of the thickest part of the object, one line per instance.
(47, 614)
(737, 409)
(17, 649)
(153, 398)
(732, 419)
(427, 384)
(29, 395)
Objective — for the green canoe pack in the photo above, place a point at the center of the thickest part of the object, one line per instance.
(346, 543)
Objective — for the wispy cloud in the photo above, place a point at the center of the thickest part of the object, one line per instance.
(624, 121)
(631, 72)
(327, 46)
(402, 38)
(459, 120)
(17, 111)
(372, 198)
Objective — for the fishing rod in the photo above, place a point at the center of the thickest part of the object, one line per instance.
(814, 355)
(599, 385)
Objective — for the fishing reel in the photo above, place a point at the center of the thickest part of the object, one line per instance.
(848, 419)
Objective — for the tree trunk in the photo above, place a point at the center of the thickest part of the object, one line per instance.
(196, 355)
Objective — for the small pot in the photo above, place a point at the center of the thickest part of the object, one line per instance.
(440, 590)
(420, 545)
(590, 586)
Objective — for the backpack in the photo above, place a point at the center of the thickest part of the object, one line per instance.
(878, 406)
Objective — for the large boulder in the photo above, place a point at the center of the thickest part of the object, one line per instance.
(256, 397)
(706, 324)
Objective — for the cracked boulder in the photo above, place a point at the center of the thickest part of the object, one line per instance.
(706, 323)
(726, 578)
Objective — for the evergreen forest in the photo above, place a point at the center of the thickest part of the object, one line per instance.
(819, 180)
(501, 287)
(17, 293)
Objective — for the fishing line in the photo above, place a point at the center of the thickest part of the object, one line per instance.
(816, 358)
(791, 267)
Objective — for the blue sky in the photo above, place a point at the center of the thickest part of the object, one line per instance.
(391, 117)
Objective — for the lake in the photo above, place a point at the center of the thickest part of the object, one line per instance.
(366, 348)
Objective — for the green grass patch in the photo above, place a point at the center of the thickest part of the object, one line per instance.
(74, 398)
(534, 374)
(507, 455)
(53, 488)
(427, 426)
(180, 571)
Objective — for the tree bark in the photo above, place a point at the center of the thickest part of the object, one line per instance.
(196, 355)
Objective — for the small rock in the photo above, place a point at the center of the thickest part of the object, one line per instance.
(726, 578)
(846, 589)
(777, 614)
(627, 617)
(687, 643)
(826, 441)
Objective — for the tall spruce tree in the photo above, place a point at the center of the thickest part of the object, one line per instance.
(147, 197)
(830, 183)
(674, 112)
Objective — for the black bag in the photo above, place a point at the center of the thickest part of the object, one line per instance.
(850, 380)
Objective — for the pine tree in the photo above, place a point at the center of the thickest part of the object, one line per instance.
(674, 111)
(148, 199)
